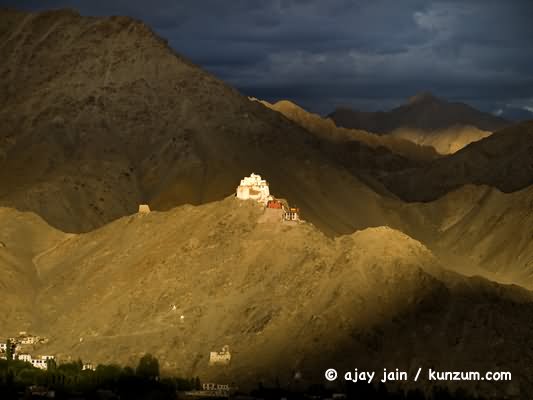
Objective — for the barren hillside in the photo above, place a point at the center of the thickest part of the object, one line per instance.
(325, 129)
(310, 304)
(104, 116)
(503, 160)
(447, 141)
(23, 236)
(478, 230)
(423, 112)
(397, 265)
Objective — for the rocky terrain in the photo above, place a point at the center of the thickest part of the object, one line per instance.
(427, 121)
(325, 129)
(503, 160)
(117, 118)
(308, 305)
(423, 112)
(447, 141)
(407, 257)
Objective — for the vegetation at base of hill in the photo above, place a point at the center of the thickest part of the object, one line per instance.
(18, 379)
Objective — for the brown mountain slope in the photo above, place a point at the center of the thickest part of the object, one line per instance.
(105, 116)
(447, 141)
(478, 230)
(423, 112)
(326, 129)
(503, 160)
(311, 304)
(23, 236)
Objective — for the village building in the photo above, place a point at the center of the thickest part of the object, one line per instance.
(275, 204)
(220, 357)
(24, 357)
(40, 362)
(29, 340)
(88, 366)
(253, 187)
(292, 214)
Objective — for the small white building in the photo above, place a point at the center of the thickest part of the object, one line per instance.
(220, 357)
(88, 366)
(25, 357)
(144, 209)
(3, 346)
(29, 340)
(41, 362)
(254, 188)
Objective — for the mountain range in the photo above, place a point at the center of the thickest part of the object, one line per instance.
(406, 258)
(423, 112)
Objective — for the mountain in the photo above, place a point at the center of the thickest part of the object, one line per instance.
(470, 229)
(117, 118)
(446, 141)
(23, 236)
(416, 173)
(109, 295)
(105, 116)
(503, 160)
(325, 129)
(423, 112)
(406, 258)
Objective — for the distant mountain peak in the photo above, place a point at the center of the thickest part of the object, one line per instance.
(424, 112)
(422, 97)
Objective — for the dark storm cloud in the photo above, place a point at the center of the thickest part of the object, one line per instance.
(368, 54)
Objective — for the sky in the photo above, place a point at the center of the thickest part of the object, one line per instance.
(364, 54)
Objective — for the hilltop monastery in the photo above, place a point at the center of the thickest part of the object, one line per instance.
(253, 187)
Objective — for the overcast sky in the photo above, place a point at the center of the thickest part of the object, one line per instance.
(367, 54)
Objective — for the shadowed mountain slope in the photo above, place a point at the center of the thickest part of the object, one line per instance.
(325, 129)
(503, 160)
(446, 141)
(478, 230)
(311, 304)
(98, 115)
(423, 112)
(104, 116)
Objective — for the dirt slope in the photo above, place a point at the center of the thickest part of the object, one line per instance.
(313, 303)
(503, 160)
(104, 116)
(23, 236)
(326, 129)
(447, 141)
(480, 230)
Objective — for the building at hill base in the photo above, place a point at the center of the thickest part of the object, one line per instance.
(220, 357)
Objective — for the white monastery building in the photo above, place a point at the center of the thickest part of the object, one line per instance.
(254, 188)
